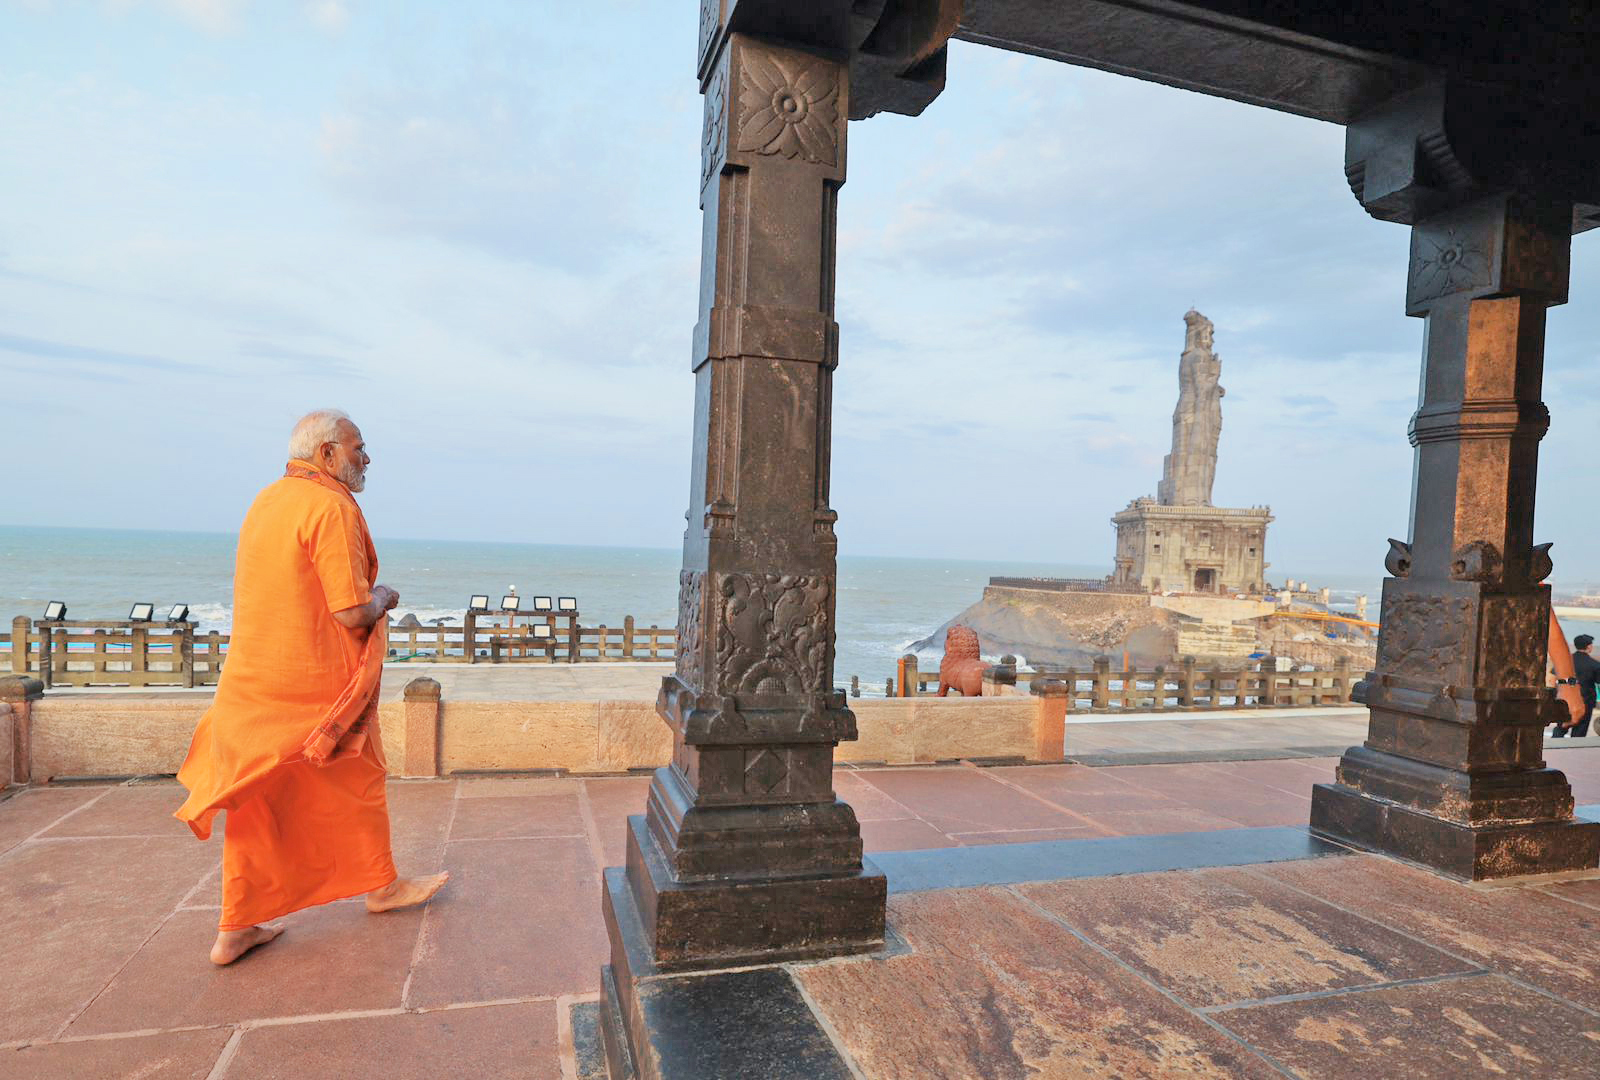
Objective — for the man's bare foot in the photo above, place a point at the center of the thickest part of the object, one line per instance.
(232, 944)
(406, 892)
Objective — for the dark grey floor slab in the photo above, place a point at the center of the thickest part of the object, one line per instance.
(1053, 860)
(591, 1056)
(736, 1025)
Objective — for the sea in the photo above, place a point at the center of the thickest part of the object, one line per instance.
(885, 604)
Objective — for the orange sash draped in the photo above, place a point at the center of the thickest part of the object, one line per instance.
(343, 731)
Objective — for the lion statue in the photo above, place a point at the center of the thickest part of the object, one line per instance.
(961, 668)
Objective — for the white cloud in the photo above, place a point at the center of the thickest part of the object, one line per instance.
(330, 16)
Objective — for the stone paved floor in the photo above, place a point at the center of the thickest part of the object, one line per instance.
(110, 906)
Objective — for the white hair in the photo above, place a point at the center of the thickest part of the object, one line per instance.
(314, 429)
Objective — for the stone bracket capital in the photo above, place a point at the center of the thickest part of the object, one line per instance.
(1443, 144)
(1497, 245)
(772, 104)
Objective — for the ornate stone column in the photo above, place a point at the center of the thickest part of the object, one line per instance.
(1452, 773)
(744, 852)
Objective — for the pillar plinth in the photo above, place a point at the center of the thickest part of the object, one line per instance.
(1452, 773)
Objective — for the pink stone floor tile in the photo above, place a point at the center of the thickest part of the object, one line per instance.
(964, 799)
(485, 1043)
(518, 816)
(1586, 892)
(995, 989)
(332, 958)
(419, 823)
(611, 801)
(869, 803)
(75, 911)
(1517, 931)
(36, 809)
(904, 835)
(1080, 788)
(499, 787)
(137, 810)
(1225, 935)
(1468, 1027)
(168, 1055)
(1155, 822)
(521, 918)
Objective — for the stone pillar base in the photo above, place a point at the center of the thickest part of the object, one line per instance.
(1479, 851)
(722, 923)
(665, 1025)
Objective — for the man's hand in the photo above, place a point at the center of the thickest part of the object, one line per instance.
(383, 599)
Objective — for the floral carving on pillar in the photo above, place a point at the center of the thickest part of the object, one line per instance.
(1446, 262)
(713, 138)
(773, 635)
(690, 669)
(1423, 636)
(789, 106)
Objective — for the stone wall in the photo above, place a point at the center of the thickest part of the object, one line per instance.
(112, 736)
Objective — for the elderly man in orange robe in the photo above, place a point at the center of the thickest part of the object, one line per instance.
(291, 748)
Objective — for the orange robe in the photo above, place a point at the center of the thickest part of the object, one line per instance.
(297, 834)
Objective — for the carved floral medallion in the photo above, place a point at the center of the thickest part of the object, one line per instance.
(1447, 262)
(789, 106)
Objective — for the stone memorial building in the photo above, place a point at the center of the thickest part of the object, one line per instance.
(1178, 540)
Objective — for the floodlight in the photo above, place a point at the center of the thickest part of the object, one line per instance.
(54, 611)
(542, 630)
(179, 613)
(567, 603)
(142, 613)
(479, 602)
(510, 603)
(541, 603)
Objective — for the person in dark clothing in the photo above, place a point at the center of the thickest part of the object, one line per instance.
(1587, 669)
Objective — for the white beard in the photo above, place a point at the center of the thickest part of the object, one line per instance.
(353, 477)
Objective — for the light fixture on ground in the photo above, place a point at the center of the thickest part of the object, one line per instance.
(55, 611)
(142, 613)
(479, 602)
(179, 613)
(567, 603)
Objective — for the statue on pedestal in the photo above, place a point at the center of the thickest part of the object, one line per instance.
(1187, 472)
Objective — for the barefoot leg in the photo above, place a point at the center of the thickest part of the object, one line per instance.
(232, 944)
(406, 892)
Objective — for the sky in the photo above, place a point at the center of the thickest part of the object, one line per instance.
(475, 227)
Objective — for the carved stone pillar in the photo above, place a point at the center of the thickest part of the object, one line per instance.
(1452, 772)
(744, 852)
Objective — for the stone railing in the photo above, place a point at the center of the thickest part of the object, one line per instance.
(118, 652)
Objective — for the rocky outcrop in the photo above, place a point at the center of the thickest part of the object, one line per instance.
(1059, 630)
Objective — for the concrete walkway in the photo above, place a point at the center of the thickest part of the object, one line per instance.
(1341, 967)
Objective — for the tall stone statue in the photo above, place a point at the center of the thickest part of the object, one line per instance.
(1188, 471)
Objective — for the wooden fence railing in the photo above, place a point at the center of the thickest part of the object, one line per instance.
(110, 652)
(1184, 685)
(114, 652)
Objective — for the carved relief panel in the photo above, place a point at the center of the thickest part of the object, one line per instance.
(774, 634)
(1426, 637)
